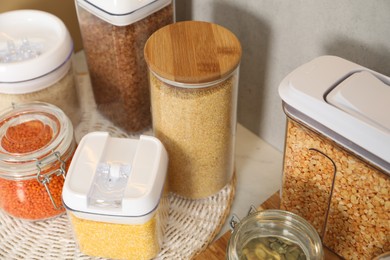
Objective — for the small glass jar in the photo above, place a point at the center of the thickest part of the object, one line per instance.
(114, 33)
(273, 233)
(193, 77)
(36, 147)
(36, 53)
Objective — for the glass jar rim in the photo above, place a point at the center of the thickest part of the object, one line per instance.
(15, 165)
(275, 216)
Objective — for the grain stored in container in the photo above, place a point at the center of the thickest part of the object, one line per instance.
(116, 197)
(194, 82)
(36, 53)
(114, 34)
(36, 147)
(336, 159)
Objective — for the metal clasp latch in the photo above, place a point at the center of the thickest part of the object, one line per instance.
(45, 178)
(235, 220)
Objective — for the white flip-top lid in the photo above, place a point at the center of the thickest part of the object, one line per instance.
(111, 178)
(345, 101)
(122, 12)
(43, 41)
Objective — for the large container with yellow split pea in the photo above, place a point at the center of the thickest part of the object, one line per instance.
(115, 196)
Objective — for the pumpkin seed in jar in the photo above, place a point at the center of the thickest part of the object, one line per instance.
(272, 248)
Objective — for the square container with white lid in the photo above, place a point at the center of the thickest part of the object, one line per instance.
(337, 157)
(115, 196)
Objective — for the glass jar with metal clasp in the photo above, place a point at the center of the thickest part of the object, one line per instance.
(36, 147)
(273, 234)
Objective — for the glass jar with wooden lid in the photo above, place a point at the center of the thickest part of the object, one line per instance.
(193, 73)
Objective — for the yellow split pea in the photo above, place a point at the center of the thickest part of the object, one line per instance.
(342, 196)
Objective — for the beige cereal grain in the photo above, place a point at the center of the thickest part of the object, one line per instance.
(117, 67)
(197, 127)
(62, 94)
(357, 225)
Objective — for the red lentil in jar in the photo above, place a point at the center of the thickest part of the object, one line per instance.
(36, 147)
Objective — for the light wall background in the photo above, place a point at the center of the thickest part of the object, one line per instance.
(279, 35)
(63, 9)
(276, 36)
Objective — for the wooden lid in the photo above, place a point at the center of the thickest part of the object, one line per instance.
(192, 52)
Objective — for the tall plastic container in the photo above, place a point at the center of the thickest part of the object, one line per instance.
(36, 53)
(114, 33)
(194, 82)
(336, 171)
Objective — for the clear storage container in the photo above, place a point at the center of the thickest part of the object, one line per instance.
(273, 234)
(194, 82)
(114, 33)
(116, 197)
(36, 61)
(36, 147)
(336, 160)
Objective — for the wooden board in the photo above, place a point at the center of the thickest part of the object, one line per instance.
(217, 250)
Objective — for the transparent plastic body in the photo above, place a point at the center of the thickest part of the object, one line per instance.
(59, 89)
(121, 237)
(342, 195)
(117, 67)
(109, 185)
(274, 224)
(197, 125)
(36, 148)
(16, 51)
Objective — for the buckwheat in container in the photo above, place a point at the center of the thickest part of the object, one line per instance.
(36, 61)
(114, 33)
(36, 147)
(194, 82)
(337, 160)
(115, 196)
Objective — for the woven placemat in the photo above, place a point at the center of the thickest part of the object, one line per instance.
(192, 224)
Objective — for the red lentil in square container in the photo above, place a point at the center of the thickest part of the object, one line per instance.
(36, 147)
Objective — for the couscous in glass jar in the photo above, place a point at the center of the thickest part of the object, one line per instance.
(194, 103)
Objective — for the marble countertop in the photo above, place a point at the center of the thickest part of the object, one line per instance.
(258, 171)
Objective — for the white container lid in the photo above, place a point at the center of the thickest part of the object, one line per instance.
(45, 41)
(346, 102)
(365, 96)
(122, 12)
(111, 178)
